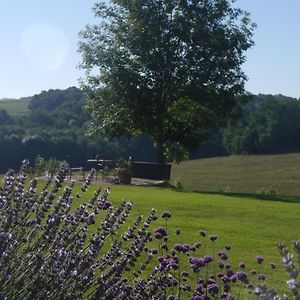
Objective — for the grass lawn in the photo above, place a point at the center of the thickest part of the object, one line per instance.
(252, 225)
(262, 174)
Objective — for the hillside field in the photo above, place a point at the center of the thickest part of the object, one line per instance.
(15, 107)
(257, 174)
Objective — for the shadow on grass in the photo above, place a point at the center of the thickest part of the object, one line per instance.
(263, 197)
(279, 198)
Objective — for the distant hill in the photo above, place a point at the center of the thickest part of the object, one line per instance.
(14, 99)
(15, 107)
(8, 99)
(56, 121)
(262, 174)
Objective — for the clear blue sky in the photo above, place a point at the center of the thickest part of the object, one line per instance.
(32, 61)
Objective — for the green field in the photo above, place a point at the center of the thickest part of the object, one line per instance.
(252, 226)
(259, 174)
(15, 107)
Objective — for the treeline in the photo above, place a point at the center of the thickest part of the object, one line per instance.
(270, 125)
(56, 127)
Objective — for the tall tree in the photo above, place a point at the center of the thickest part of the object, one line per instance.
(170, 69)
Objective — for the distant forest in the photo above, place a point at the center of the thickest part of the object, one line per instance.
(55, 126)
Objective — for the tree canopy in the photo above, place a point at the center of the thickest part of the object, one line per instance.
(170, 69)
(270, 125)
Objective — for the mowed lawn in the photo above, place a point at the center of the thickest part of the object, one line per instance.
(261, 174)
(252, 226)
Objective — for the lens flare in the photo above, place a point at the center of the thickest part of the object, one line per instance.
(45, 46)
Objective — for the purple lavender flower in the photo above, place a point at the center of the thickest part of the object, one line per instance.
(273, 265)
(241, 276)
(3, 236)
(261, 277)
(173, 264)
(187, 287)
(196, 263)
(292, 284)
(253, 272)
(166, 215)
(126, 288)
(227, 247)
(185, 274)
(207, 259)
(242, 265)
(250, 286)
(154, 251)
(200, 288)
(172, 282)
(160, 232)
(227, 265)
(259, 259)
(200, 280)
(202, 232)
(221, 265)
(213, 237)
(223, 255)
(163, 265)
(213, 288)
(164, 246)
(225, 279)
(193, 248)
(186, 247)
(178, 247)
(197, 245)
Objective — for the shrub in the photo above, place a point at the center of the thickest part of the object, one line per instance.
(42, 166)
(51, 249)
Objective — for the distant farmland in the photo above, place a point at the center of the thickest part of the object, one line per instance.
(15, 107)
(261, 174)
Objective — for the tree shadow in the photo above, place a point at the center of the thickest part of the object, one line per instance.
(263, 197)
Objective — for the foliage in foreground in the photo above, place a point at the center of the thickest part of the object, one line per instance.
(51, 250)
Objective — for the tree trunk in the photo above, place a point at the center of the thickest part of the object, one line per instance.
(159, 144)
(160, 153)
(160, 134)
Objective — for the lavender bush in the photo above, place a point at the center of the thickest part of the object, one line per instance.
(51, 249)
(291, 267)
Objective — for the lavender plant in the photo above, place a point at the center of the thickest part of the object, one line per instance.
(52, 248)
(291, 266)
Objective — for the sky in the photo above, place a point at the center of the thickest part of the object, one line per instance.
(39, 38)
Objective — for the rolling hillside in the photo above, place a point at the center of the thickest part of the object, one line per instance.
(261, 174)
(15, 106)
